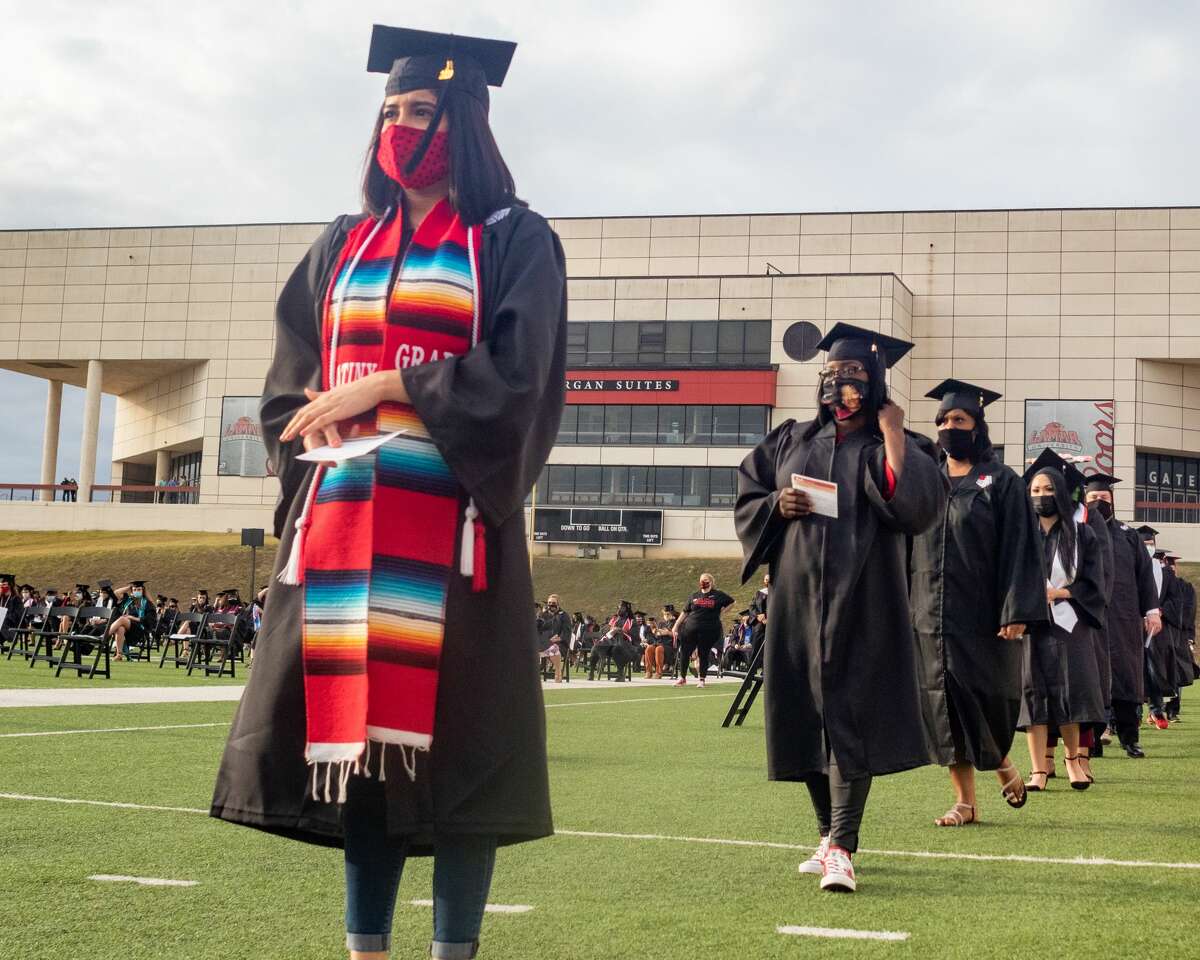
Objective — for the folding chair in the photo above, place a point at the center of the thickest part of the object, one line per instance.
(51, 632)
(76, 643)
(217, 637)
(179, 639)
(13, 633)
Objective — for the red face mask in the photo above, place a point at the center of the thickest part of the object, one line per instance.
(398, 143)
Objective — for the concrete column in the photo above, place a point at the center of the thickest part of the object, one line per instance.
(91, 430)
(50, 437)
(162, 469)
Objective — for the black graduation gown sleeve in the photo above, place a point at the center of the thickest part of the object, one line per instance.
(756, 512)
(1147, 592)
(297, 359)
(1020, 567)
(1087, 589)
(920, 494)
(493, 413)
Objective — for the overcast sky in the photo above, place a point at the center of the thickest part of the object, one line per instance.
(129, 114)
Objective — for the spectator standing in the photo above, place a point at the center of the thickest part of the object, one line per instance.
(698, 628)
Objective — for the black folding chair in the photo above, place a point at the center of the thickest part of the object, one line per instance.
(216, 638)
(51, 633)
(10, 633)
(177, 639)
(77, 644)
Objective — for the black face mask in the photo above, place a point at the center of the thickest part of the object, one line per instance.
(958, 444)
(1102, 507)
(1045, 506)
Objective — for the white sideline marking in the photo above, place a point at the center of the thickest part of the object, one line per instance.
(225, 723)
(719, 841)
(94, 697)
(63, 733)
(143, 881)
(489, 908)
(841, 934)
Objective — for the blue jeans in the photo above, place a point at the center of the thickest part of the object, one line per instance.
(462, 875)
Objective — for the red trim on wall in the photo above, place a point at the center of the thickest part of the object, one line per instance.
(751, 387)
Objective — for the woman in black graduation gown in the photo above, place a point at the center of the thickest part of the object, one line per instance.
(492, 413)
(1060, 678)
(842, 690)
(977, 583)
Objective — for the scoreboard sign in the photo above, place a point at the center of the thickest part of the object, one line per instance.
(590, 525)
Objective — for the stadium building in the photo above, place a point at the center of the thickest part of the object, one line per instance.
(689, 337)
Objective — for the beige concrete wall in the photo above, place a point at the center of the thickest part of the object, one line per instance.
(1081, 304)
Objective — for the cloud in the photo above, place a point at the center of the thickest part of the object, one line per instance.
(162, 113)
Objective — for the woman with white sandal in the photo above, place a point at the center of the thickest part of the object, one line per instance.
(977, 582)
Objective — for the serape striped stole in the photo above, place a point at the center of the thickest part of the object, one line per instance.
(379, 544)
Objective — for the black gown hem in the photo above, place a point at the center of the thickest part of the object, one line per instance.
(800, 776)
(326, 833)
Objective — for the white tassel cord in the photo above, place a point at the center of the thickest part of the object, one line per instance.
(466, 560)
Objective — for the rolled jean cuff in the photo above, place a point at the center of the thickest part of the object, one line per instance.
(369, 942)
(439, 950)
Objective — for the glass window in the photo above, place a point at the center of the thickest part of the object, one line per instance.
(722, 486)
(704, 343)
(699, 424)
(590, 428)
(600, 343)
(588, 482)
(616, 485)
(754, 424)
(678, 338)
(625, 343)
(566, 427)
(668, 486)
(670, 424)
(758, 341)
(730, 334)
(643, 426)
(641, 486)
(650, 343)
(726, 426)
(576, 344)
(695, 487)
(616, 424)
(560, 484)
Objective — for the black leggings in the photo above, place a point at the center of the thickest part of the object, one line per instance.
(839, 804)
(701, 641)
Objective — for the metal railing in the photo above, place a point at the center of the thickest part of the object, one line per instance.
(103, 492)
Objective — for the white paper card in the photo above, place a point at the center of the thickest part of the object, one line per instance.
(356, 447)
(821, 493)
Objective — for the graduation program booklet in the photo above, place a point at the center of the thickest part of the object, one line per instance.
(821, 493)
(354, 447)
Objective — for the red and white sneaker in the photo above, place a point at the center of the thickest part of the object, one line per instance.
(1160, 722)
(681, 682)
(816, 863)
(837, 872)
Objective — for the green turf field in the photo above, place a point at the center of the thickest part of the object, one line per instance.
(639, 761)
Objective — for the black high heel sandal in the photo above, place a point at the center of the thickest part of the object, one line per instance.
(1076, 784)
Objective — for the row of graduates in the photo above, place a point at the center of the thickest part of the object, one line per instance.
(948, 604)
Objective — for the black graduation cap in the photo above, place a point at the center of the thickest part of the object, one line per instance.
(138, 583)
(960, 395)
(1147, 532)
(27, 586)
(81, 586)
(1159, 553)
(845, 341)
(420, 60)
(231, 592)
(1101, 481)
(1048, 458)
(8, 578)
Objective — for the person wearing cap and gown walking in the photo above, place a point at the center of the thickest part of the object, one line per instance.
(1060, 676)
(842, 695)
(1158, 650)
(977, 583)
(1132, 614)
(395, 707)
(1178, 612)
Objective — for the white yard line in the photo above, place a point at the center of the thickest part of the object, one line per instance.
(63, 733)
(489, 908)
(141, 881)
(592, 703)
(92, 697)
(840, 934)
(718, 841)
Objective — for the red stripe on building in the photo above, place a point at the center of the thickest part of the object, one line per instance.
(751, 387)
